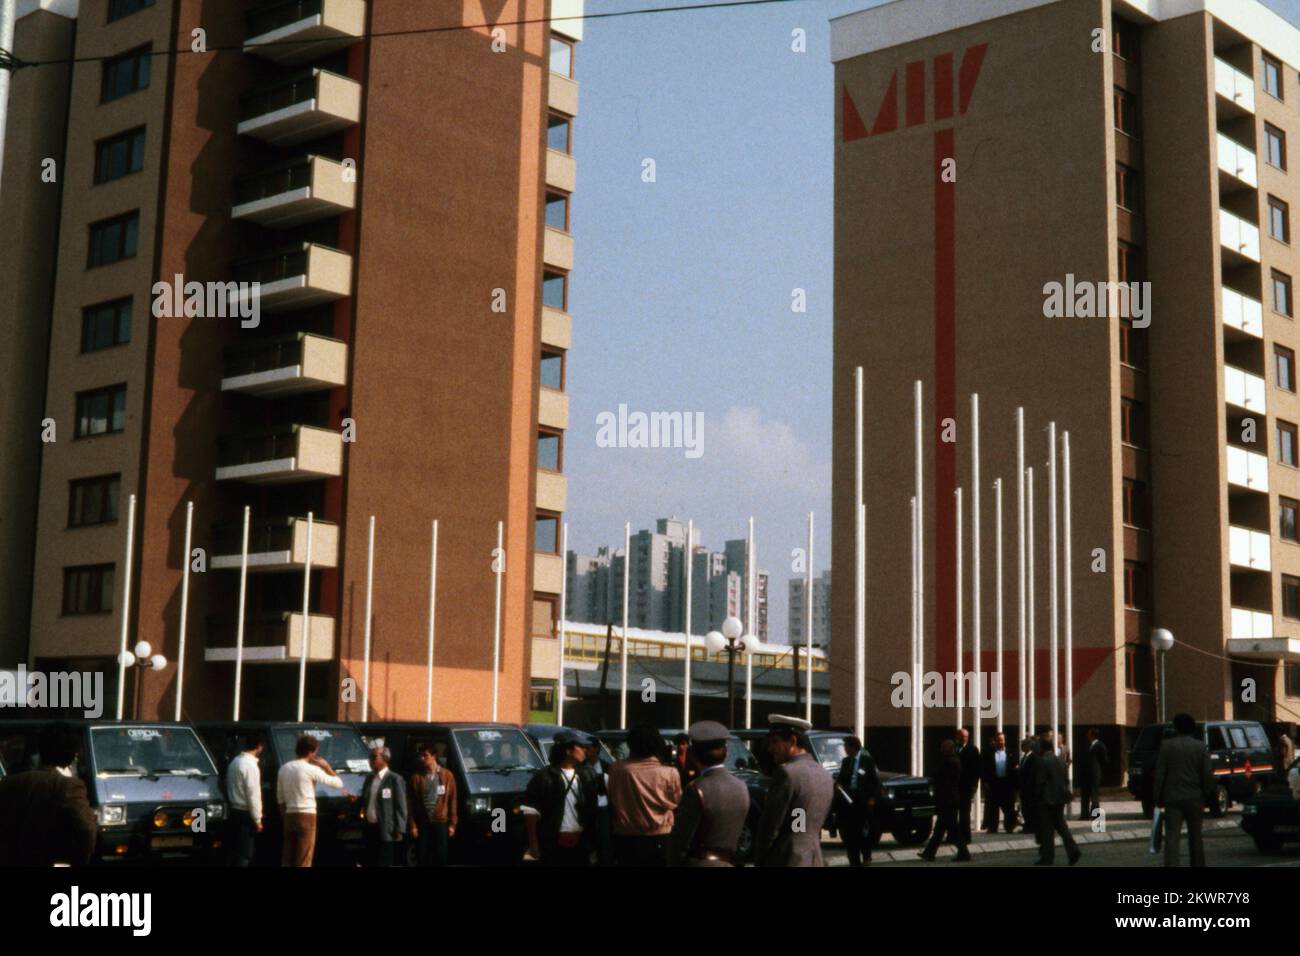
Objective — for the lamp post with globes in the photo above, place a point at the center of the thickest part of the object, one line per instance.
(1162, 640)
(731, 641)
(142, 657)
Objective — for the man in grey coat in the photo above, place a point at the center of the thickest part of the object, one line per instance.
(1184, 784)
(790, 830)
(1053, 793)
(384, 797)
(709, 820)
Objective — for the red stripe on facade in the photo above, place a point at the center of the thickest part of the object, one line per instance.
(943, 86)
(851, 125)
(971, 62)
(887, 117)
(945, 403)
(916, 93)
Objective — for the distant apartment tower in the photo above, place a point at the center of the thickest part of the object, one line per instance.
(798, 610)
(1011, 146)
(400, 189)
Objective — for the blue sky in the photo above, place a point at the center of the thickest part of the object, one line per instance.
(681, 292)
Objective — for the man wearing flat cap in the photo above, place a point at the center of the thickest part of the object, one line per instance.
(790, 831)
(711, 816)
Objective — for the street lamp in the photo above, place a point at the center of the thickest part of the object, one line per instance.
(730, 640)
(143, 657)
(1162, 640)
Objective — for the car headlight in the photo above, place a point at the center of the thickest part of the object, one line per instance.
(887, 794)
(112, 815)
(216, 811)
(481, 805)
(160, 819)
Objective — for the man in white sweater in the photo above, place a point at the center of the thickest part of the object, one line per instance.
(296, 794)
(244, 788)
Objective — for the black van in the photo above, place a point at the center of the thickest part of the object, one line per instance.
(153, 785)
(340, 818)
(1240, 754)
(492, 764)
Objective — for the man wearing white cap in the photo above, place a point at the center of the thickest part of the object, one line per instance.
(790, 830)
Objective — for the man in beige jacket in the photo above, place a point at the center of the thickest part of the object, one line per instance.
(1184, 784)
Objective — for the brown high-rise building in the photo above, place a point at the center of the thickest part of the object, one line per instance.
(985, 151)
(397, 179)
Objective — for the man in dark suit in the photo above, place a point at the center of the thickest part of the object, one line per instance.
(1053, 795)
(1029, 786)
(947, 802)
(1001, 770)
(857, 787)
(45, 816)
(1184, 784)
(968, 756)
(714, 807)
(384, 797)
(1091, 768)
(790, 829)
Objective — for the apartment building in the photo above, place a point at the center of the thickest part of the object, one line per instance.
(821, 608)
(985, 151)
(396, 178)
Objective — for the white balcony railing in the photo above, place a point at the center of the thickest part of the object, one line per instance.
(1237, 161)
(1239, 235)
(1248, 624)
(1247, 469)
(1233, 85)
(1249, 549)
(1243, 389)
(1243, 313)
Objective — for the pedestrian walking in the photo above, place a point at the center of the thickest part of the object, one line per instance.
(560, 804)
(947, 805)
(45, 816)
(384, 796)
(857, 787)
(643, 793)
(1029, 748)
(244, 792)
(969, 757)
(1001, 773)
(1184, 784)
(1091, 767)
(708, 823)
(790, 828)
(1053, 792)
(432, 809)
(295, 792)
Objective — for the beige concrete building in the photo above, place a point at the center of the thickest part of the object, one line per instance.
(984, 151)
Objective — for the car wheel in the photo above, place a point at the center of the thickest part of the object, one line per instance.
(1220, 801)
(913, 834)
(1148, 807)
(1268, 842)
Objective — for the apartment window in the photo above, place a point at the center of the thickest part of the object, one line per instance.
(106, 325)
(119, 156)
(1286, 510)
(559, 133)
(1274, 146)
(112, 240)
(561, 55)
(1279, 219)
(117, 9)
(1127, 188)
(93, 501)
(552, 370)
(88, 589)
(101, 411)
(1281, 284)
(546, 533)
(1272, 76)
(549, 451)
(1135, 503)
(1132, 345)
(1124, 40)
(1139, 669)
(1132, 423)
(557, 210)
(1125, 112)
(126, 74)
(1284, 368)
(1290, 597)
(1286, 450)
(555, 290)
(1291, 680)
(541, 696)
(1135, 585)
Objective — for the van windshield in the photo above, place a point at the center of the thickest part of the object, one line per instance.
(149, 752)
(496, 749)
(341, 747)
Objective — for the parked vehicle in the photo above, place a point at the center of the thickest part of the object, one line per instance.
(1272, 816)
(543, 738)
(1240, 754)
(153, 785)
(340, 819)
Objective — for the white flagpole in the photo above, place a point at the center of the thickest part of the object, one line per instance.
(239, 625)
(126, 605)
(1029, 563)
(306, 622)
(185, 606)
(370, 593)
(627, 565)
(997, 507)
(808, 641)
(496, 625)
(860, 570)
(1020, 566)
(1069, 607)
(916, 671)
(690, 574)
(433, 607)
(751, 614)
(564, 598)
(961, 684)
(1052, 588)
(920, 580)
(976, 582)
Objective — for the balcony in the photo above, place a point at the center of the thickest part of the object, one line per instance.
(296, 31)
(281, 455)
(1237, 162)
(301, 107)
(557, 249)
(1274, 650)
(552, 408)
(279, 545)
(1251, 625)
(557, 328)
(1249, 549)
(297, 277)
(286, 365)
(1247, 469)
(548, 572)
(271, 638)
(552, 491)
(562, 94)
(561, 170)
(1244, 390)
(303, 191)
(1234, 87)
(1239, 238)
(1243, 313)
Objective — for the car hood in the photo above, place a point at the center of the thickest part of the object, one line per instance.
(124, 789)
(490, 781)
